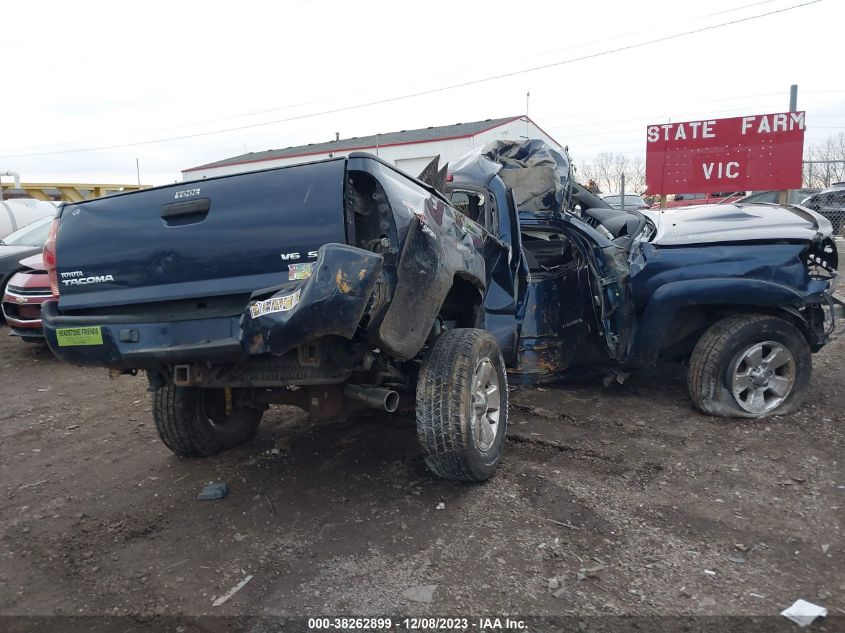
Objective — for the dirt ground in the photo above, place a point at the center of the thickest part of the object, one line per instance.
(618, 500)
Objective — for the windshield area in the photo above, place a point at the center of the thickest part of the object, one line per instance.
(34, 234)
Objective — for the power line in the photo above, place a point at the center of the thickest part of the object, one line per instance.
(431, 91)
(290, 106)
(698, 101)
(745, 6)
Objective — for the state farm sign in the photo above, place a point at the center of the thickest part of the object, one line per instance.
(746, 153)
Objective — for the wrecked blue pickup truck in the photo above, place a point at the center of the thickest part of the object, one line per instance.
(744, 293)
(346, 283)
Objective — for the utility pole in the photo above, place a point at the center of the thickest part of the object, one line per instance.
(138, 170)
(527, 97)
(663, 196)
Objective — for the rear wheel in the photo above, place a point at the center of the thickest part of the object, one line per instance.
(750, 366)
(199, 422)
(462, 405)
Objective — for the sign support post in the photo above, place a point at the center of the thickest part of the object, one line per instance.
(783, 196)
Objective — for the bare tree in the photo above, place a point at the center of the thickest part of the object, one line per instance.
(635, 175)
(824, 162)
(606, 169)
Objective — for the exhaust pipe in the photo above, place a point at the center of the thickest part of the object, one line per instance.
(385, 399)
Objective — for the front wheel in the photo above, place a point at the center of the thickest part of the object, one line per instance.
(462, 405)
(195, 422)
(750, 366)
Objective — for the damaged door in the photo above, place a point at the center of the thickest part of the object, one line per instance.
(478, 210)
(578, 311)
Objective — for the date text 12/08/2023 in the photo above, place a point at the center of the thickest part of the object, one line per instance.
(417, 623)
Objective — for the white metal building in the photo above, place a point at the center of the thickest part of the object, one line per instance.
(409, 150)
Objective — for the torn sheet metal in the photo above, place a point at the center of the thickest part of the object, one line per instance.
(437, 244)
(553, 331)
(538, 174)
(331, 301)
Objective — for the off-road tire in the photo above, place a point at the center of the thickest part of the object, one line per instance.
(444, 416)
(183, 423)
(717, 351)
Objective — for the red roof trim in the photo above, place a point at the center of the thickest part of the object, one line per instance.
(358, 149)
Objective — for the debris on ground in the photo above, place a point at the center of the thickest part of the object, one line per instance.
(212, 491)
(440, 506)
(33, 484)
(140, 542)
(615, 376)
(231, 591)
(420, 593)
(803, 613)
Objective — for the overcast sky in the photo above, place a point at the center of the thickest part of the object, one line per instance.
(83, 75)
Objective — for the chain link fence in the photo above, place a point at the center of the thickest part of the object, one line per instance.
(829, 177)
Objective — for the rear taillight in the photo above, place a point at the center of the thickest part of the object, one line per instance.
(49, 257)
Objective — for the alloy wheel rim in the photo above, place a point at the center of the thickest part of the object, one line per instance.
(485, 405)
(763, 377)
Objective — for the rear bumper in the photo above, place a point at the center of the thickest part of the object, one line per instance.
(137, 345)
(276, 320)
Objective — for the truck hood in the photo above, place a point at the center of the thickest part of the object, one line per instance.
(704, 224)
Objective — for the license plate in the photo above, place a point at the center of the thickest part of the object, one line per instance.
(70, 336)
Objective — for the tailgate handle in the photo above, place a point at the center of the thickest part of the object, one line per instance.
(194, 207)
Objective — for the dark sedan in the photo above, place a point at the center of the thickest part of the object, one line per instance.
(19, 245)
